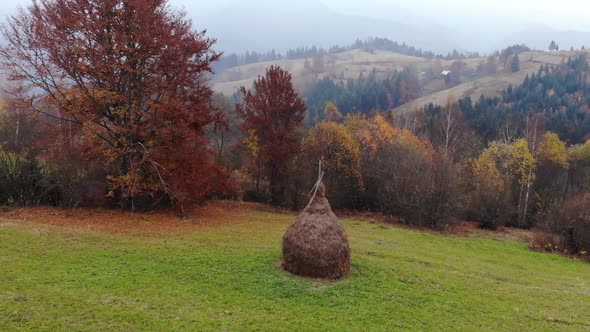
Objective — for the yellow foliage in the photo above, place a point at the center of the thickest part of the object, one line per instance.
(521, 162)
(331, 112)
(371, 133)
(485, 170)
(384, 130)
(553, 150)
(499, 162)
(580, 152)
(335, 146)
(251, 142)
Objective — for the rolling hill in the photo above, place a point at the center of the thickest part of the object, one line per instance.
(351, 64)
(490, 86)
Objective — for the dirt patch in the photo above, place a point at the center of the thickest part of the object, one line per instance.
(125, 222)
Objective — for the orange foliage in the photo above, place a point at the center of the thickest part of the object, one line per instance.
(133, 97)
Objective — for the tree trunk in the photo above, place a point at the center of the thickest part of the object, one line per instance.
(526, 203)
(17, 129)
(258, 176)
(276, 186)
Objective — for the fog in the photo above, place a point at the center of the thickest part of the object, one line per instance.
(441, 26)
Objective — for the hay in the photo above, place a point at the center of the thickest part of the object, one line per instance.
(316, 244)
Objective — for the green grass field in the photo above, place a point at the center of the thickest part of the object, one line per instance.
(224, 276)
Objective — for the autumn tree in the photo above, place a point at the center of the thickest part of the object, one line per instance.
(334, 146)
(449, 128)
(331, 113)
(403, 169)
(128, 80)
(579, 169)
(522, 164)
(371, 134)
(275, 112)
(552, 172)
(489, 194)
(224, 132)
(252, 145)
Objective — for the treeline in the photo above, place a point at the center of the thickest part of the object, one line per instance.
(558, 94)
(364, 94)
(385, 44)
(371, 44)
(526, 155)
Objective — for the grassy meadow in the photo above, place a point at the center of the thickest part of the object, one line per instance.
(219, 272)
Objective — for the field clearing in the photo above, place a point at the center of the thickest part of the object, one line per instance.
(112, 271)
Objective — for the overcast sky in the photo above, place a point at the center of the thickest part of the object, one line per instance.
(438, 25)
(563, 14)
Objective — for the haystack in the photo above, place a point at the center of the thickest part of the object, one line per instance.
(316, 245)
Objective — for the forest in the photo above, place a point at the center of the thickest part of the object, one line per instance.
(126, 119)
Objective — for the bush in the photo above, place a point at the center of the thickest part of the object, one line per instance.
(256, 197)
(22, 179)
(569, 225)
(340, 158)
(488, 188)
(406, 183)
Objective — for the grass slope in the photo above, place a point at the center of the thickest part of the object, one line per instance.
(491, 85)
(351, 64)
(223, 276)
(347, 65)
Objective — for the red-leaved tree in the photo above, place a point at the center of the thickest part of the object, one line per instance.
(127, 81)
(274, 112)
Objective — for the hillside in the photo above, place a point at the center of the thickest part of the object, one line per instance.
(345, 65)
(351, 64)
(111, 271)
(490, 86)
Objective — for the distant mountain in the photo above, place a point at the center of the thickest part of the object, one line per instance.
(539, 37)
(263, 25)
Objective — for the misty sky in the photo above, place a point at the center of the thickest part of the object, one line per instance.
(563, 14)
(438, 25)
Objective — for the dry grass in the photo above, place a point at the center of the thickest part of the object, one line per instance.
(125, 222)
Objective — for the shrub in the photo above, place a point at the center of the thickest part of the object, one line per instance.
(256, 196)
(403, 170)
(341, 161)
(22, 179)
(569, 225)
(489, 193)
